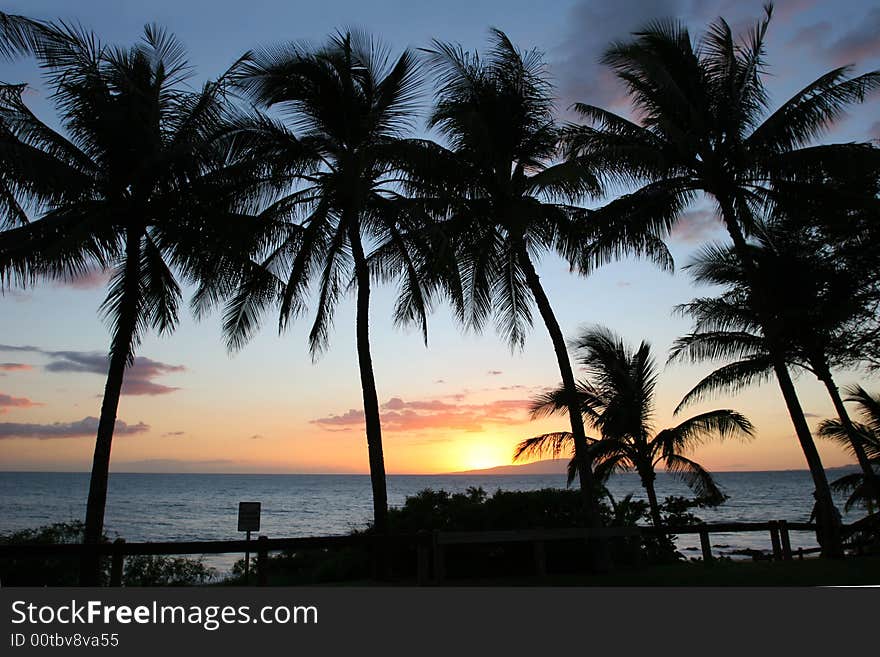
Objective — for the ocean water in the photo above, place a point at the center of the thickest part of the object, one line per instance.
(177, 507)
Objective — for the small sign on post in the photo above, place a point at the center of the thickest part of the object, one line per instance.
(249, 516)
(248, 521)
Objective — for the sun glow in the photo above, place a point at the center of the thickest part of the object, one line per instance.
(484, 455)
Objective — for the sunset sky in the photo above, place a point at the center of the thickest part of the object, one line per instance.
(189, 406)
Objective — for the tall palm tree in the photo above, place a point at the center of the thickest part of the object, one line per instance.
(617, 399)
(868, 436)
(703, 128)
(508, 200)
(135, 183)
(333, 149)
(816, 300)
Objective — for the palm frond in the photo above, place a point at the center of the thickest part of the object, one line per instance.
(729, 378)
(695, 476)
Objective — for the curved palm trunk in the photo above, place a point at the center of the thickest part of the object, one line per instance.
(584, 466)
(828, 528)
(871, 480)
(121, 352)
(368, 385)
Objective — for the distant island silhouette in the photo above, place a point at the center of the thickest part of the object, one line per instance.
(558, 466)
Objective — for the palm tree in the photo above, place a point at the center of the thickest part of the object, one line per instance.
(816, 299)
(617, 399)
(135, 184)
(703, 128)
(507, 201)
(868, 433)
(339, 218)
(20, 35)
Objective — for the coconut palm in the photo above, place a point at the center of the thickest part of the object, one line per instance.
(134, 183)
(508, 200)
(333, 149)
(704, 128)
(617, 399)
(20, 35)
(816, 299)
(867, 433)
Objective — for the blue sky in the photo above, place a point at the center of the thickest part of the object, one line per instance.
(269, 407)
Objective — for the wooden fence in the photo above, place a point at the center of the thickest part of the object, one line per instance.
(430, 547)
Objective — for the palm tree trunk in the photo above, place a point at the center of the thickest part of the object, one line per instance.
(600, 558)
(830, 531)
(871, 479)
(648, 483)
(368, 384)
(120, 353)
(584, 467)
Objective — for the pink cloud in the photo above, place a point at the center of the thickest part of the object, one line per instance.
(14, 367)
(7, 402)
(695, 226)
(419, 415)
(91, 280)
(860, 43)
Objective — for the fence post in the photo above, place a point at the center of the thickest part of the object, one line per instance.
(423, 551)
(705, 544)
(117, 562)
(786, 540)
(540, 558)
(262, 561)
(439, 559)
(774, 540)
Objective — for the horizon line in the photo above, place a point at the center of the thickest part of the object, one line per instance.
(486, 472)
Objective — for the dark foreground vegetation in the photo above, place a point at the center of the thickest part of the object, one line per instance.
(635, 560)
(139, 570)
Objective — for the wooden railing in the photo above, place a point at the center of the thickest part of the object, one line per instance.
(430, 547)
(780, 539)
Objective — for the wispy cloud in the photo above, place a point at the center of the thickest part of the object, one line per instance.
(855, 46)
(419, 415)
(695, 226)
(7, 402)
(138, 378)
(88, 426)
(15, 367)
(91, 280)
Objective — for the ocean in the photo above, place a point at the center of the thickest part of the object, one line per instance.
(178, 507)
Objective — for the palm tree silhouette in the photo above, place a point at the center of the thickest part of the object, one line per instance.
(816, 299)
(136, 185)
(506, 200)
(867, 435)
(339, 217)
(617, 399)
(703, 129)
